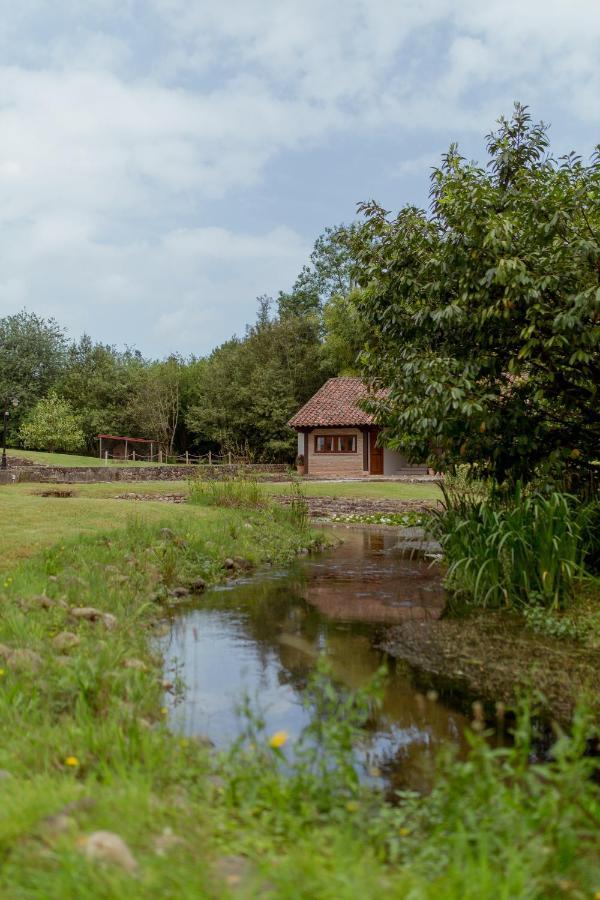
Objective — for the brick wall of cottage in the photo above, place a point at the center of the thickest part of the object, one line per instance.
(335, 463)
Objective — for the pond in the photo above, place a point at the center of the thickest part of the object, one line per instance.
(261, 637)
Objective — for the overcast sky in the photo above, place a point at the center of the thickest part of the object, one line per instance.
(163, 162)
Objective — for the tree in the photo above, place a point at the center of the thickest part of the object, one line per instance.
(32, 356)
(155, 406)
(328, 275)
(483, 316)
(99, 382)
(52, 425)
(249, 388)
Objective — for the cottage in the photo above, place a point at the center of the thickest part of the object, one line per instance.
(336, 437)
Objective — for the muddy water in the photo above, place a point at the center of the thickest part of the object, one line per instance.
(262, 636)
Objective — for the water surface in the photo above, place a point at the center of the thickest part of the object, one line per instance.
(261, 636)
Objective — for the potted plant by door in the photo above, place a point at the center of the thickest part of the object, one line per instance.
(300, 467)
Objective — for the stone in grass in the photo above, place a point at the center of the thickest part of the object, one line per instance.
(65, 640)
(167, 534)
(243, 564)
(108, 847)
(91, 614)
(25, 660)
(179, 591)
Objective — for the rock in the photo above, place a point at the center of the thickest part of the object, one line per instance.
(228, 563)
(43, 601)
(66, 640)
(179, 592)
(91, 614)
(25, 659)
(106, 846)
(240, 562)
(166, 841)
(109, 621)
(167, 534)
(133, 663)
(198, 585)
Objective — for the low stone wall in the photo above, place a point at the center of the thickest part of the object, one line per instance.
(84, 475)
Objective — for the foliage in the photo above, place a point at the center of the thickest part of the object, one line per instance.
(510, 551)
(545, 622)
(155, 404)
(482, 317)
(404, 520)
(250, 388)
(52, 425)
(328, 275)
(32, 355)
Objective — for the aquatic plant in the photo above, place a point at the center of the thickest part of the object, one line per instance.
(526, 548)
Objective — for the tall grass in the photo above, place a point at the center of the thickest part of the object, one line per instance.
(512, 551)
(236, 492)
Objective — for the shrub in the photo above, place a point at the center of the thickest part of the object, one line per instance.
(52, 425)
(512, 551)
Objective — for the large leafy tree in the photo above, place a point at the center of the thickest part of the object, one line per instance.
(483, 316)
(32, 357)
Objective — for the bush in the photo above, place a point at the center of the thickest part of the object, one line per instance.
(512, 551)
(52, 425)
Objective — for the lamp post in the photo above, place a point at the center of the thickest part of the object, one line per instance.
(4, 462)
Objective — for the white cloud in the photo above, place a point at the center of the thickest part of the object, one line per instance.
(123, 126)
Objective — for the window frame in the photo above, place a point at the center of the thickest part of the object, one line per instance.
(335, 444)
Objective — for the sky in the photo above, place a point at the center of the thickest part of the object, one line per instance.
(164, 162)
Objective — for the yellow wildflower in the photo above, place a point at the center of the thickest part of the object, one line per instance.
(403, 832)
(1, 672)
(352, 806)
(72, 761)
(278, 739)
(164, 711)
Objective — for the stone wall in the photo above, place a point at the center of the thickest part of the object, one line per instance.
(83, 475)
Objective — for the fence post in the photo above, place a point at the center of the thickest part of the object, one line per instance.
(133, 455)
(209, 458)
(229, 457)
(106, 457)
(160, 456)
(187, 458)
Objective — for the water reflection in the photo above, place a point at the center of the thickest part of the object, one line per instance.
(263, 636)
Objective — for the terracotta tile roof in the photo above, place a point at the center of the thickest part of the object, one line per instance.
(335, 404)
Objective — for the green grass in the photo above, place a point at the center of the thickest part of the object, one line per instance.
(71, 459)
(85, 748)
(367, 490)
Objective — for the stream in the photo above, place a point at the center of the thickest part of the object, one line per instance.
(260, 637)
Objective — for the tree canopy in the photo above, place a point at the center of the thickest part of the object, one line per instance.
(482, 316)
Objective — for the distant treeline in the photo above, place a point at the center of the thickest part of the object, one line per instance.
(238, 399)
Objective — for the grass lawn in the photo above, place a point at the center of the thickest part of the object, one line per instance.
(70, 459)
(371, 490)
(31, 523)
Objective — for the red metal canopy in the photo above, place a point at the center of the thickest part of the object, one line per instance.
(130, 440)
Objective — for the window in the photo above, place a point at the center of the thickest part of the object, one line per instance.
(335, 443)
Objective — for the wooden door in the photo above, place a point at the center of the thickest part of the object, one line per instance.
(375, 454)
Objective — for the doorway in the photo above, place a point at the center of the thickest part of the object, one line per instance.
(375, 454)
